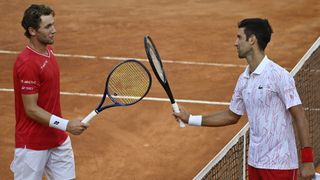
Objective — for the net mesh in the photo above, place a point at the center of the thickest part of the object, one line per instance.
(308, 85)
(234, 159)
(231, 162)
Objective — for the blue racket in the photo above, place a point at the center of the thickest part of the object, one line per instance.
(128, 83)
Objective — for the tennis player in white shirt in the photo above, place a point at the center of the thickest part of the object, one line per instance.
(265, 92)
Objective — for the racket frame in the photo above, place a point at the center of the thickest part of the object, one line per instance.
(165, 84)
(100, 106)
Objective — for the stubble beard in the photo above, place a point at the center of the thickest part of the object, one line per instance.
(46, 41)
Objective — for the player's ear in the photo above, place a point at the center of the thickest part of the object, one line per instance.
(32, 31)
(252, 39)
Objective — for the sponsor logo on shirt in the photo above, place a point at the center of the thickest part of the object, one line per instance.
(27, 82)
(26, 88)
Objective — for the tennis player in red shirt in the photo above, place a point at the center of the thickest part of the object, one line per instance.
(42, 144)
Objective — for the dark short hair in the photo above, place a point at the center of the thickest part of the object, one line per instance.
(31, 17)
(258, 27)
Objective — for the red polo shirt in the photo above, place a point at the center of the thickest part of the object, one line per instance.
(35, 73)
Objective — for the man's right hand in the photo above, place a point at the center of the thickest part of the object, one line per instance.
(76, 127)
(183, 115)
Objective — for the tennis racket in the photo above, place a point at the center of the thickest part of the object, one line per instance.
(127, 84)
(157, 67)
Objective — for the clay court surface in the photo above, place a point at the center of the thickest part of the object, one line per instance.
(144, 141)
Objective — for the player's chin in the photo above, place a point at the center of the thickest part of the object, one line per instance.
(241, 56)
(51, 41)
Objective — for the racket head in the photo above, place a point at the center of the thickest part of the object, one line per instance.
(157, 66)
(128, 83)
(154, 59)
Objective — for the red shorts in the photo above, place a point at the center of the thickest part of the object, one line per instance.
(271, 174)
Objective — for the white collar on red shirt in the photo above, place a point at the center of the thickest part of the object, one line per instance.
(46, 55)
(259, 69)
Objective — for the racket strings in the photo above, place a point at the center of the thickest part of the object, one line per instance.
(156, 61)
(122, 96)
(128, 83)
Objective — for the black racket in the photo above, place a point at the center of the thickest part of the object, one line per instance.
(127, 84)
(157, 67)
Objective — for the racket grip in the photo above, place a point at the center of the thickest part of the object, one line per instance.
(175, 108)
(88, 118)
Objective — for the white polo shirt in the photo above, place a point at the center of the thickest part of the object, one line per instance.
(265, 96)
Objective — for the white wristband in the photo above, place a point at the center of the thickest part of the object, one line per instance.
(58, 123)
(195, 120)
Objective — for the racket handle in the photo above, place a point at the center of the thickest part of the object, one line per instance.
(175, 108)
(89, 117)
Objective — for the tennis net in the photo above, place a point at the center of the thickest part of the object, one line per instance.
(231, 162)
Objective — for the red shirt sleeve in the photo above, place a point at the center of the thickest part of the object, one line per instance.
(29, 77)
